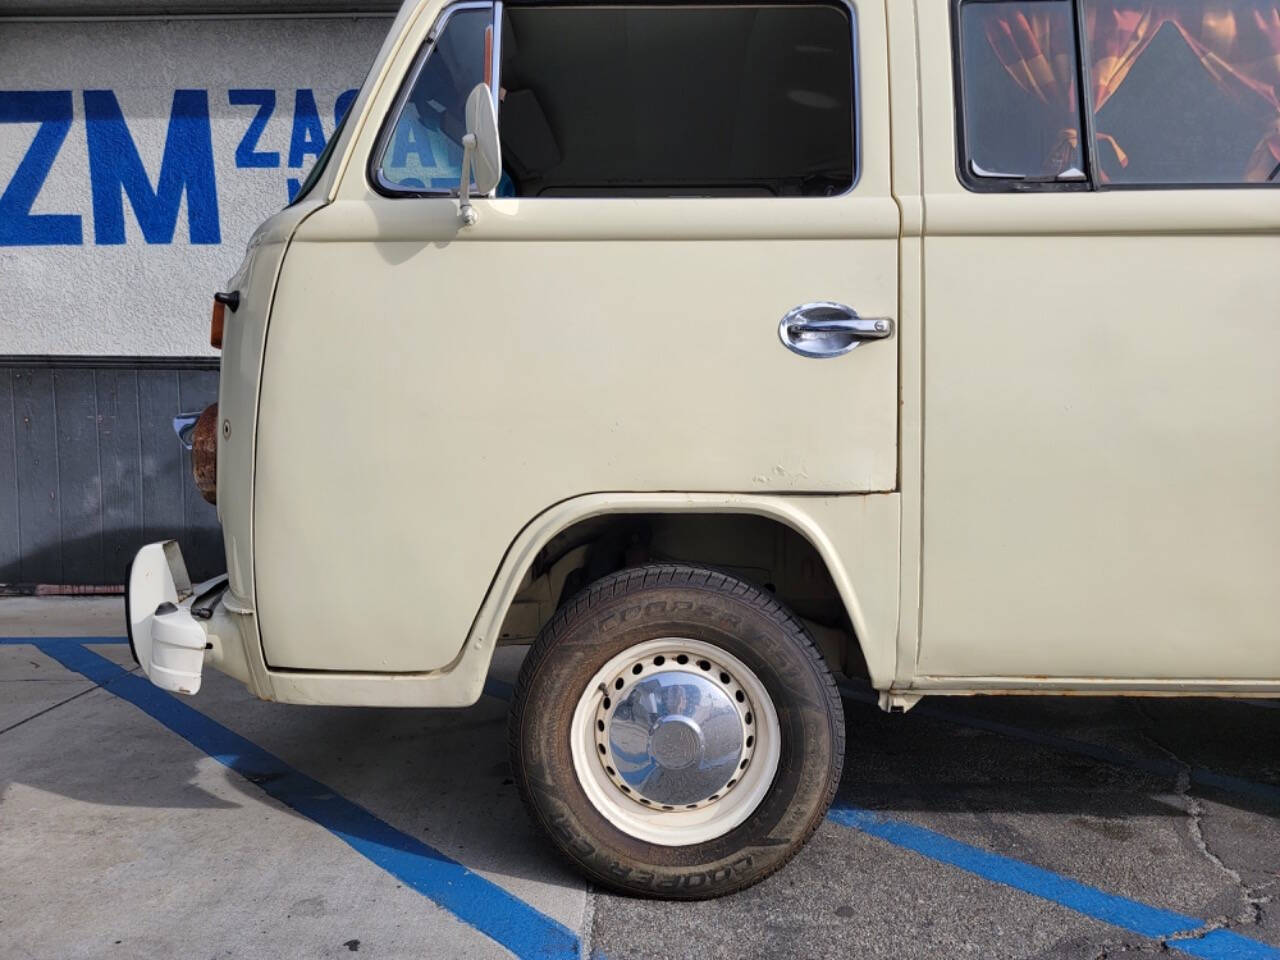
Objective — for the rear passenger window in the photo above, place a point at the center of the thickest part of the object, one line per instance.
(1021, 101)
(1177, 92)
(1186, 91)
(635, 101)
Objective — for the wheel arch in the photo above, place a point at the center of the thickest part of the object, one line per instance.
(855, 537)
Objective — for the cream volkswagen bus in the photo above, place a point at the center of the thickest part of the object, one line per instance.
(720, 349)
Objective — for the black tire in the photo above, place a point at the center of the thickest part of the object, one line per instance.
(673, 600)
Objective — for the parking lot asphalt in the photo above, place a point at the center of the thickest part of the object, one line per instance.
(138, 825)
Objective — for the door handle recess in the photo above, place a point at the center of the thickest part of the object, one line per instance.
(826, 329)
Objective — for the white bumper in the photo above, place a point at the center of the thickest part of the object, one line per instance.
(168, 642)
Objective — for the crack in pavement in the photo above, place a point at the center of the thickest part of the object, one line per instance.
(1108, 950)
(61, 703)
(588, 924)
(1252, 897)
(40, 680)
(48, 709)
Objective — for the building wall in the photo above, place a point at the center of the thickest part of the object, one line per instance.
(137, 154)
(96, 470)
(136, 157)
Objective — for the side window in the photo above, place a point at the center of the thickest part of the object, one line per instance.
(753, 100)
(1185, 91)
(1177, 92)
(421, 151)
(1021, 102)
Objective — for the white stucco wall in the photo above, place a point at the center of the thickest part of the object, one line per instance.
(88, 281)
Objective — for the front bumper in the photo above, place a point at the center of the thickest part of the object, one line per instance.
(167, 617)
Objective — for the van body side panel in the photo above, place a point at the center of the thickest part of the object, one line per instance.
(1102, 427)
(856, 535)
(475, 384)
(430, 389)
(1116, 513)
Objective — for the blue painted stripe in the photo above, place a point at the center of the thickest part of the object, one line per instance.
(493, 687)
(1109, 908)
(1160, 767)
(1118, 911)
(476, 901)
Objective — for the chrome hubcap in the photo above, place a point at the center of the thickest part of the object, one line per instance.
(674, 731)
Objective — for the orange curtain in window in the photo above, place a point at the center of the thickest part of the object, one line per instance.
(1239, 45)
(1118, 33)
(1237, 41)
(1035, 43)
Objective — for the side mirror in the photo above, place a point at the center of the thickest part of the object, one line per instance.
(481, 151)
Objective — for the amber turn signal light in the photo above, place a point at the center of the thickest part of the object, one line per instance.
(215, 325)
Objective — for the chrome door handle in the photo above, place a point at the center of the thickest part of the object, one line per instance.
(826, 329)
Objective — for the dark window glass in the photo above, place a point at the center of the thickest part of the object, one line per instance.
(423, 150)
(1020, 93)
(1185, 91)
(677, 101)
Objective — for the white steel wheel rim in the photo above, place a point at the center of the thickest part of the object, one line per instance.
(685, 824)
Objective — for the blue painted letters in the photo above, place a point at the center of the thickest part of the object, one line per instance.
(308, 134)
(188, 169)
(115, 170)
(342, 105)
(18, 225)
(247, 153)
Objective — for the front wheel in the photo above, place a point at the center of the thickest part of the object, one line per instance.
(676, 733)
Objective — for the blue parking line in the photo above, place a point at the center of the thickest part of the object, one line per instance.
(1119, 911)
(1148, 921)
(493, 687)
(539, 936)
(474, 900)
(1117, 758)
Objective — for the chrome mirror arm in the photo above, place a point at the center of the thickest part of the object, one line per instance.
(465, 210)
